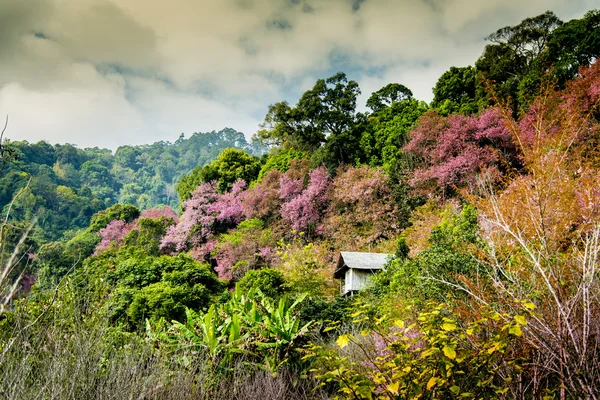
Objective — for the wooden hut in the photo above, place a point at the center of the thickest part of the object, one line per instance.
(355, 269)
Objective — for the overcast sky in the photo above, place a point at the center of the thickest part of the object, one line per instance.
(112, 72)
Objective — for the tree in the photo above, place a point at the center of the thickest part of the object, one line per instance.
(290, 127)
(233, 165)
(191, 181)
(326, 109)
(197, 220)
(508, 59)
(457, 91)
(303, 210)
(123, 212)
(127, 157)
(279, 160)
(387, 95)
(387, 130)
(230, 166)
(575, 44)
(544, 240)
(455, 149)
(269, 281)
(361, 209)
(157, 287)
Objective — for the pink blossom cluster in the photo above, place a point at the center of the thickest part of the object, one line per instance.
(456, 148)
(202, 212)
(583, 93)
(262, 201)
(158, 213)
(304, 208)
(228, 207)
(196, 222)
(117, 230)
(113, 233)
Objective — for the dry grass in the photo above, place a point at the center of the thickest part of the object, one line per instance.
(54, 360)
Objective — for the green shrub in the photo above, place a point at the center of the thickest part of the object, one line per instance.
(166, 300)
(269, 281)
(437, 356)
(280, 161)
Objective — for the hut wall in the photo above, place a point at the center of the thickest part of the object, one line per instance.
(356, 279)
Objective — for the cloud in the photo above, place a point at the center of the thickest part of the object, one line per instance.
(111, 72)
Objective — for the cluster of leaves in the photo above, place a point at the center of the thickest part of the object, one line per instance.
(230, 166)
(451, 254)
(153, 287)
(436, 356)
(250, 326)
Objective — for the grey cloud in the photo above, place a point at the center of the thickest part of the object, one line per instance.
(133, 71)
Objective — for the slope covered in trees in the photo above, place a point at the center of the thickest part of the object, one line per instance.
(70, 184)
(487, 198)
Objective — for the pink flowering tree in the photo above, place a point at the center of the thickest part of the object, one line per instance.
(361, 210)
(303, 208)
(206, 212)
(158, 213)
(196, 222)
(117, 230)
(228, 207)
(113, 234)
(243, 249)
(455, 149)
(545, 121)
(262, 201)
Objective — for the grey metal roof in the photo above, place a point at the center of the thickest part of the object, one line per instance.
(358, 260)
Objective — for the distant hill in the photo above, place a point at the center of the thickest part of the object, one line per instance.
(70, 184)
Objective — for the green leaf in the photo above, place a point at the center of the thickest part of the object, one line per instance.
(450, 351)
(515, 330)
(521, 320)
(343, 341)
(449, 326)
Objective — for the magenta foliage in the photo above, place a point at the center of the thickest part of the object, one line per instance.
(262, 201)
(116, 230)
(458, 147)
(235, 258)
(114, 233)
(583, 93)
(228, 207)
(203, 251)
(197, 219)
(303, 210)
(290, 186)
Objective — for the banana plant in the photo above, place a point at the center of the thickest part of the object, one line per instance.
(281, 329)
(248, 323)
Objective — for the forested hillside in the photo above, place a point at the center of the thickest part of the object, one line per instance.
(68, 185)
(487, 201)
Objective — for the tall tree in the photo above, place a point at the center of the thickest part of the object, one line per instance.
(328, 109)
(512, 50)
(457, 91)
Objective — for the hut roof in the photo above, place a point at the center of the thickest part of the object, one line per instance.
(357, 260)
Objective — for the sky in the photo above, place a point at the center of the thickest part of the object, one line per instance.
(113, 72)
